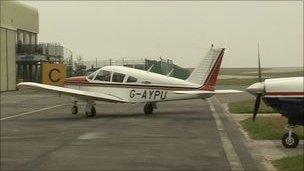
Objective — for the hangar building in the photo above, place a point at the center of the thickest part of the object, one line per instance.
(19, 23)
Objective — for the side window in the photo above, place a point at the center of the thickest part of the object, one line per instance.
(117, 77)
(103, 76)
(131, 79)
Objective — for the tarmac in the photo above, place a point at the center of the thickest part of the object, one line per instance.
(38, 132)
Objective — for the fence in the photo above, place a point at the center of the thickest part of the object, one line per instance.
(135, 63)
(163, 67)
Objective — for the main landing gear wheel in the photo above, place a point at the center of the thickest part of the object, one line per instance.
(74, 110)
(148, 108)
(92, 112)
(290, 140)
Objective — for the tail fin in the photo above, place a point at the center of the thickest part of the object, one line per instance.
(206, 72)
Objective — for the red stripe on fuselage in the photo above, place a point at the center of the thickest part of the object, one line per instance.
(285, 93)
(79, 79)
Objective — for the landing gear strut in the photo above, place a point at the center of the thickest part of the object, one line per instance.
(90, 110)
(74, 109)
(148, 108)
(290, 139)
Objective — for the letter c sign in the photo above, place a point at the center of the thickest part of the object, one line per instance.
(51, 73)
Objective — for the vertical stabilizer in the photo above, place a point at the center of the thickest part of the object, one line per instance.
(206, 72)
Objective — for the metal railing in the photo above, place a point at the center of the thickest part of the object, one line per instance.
(49, 49)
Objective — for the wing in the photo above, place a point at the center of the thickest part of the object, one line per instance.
(73, 92)
(198, 92)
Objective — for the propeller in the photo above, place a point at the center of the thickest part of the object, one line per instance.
(256, 106)
(258, 94)
(259, 65)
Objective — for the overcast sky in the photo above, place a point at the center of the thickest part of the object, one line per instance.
(179, 30)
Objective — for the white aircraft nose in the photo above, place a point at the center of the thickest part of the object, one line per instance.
(256, 88)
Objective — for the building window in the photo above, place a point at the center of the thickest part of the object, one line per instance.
(33, 39)
(20, 37)
(26, 38)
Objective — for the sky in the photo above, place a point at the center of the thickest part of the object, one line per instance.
(178, 30)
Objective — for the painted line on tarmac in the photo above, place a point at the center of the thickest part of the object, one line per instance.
(31, 112)
(233, 158)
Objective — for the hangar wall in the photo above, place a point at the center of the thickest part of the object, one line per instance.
(3, 65)
(14, 16)
(8, 60)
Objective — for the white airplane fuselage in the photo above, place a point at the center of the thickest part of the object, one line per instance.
(286, 95)
(150, 87)
(118, 84)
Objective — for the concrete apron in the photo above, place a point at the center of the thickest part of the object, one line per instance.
(264, 151)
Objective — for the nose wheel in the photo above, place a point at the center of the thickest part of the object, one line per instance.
(74, 110)
(90, 110)
(290, 139)
(149, 107)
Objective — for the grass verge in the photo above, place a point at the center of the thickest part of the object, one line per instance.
(268, 128)
(247, 106)
(293, 163)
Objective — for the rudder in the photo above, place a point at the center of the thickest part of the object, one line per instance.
(207, 71)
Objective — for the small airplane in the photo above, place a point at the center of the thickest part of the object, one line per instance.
(286, 95)
(119, 84)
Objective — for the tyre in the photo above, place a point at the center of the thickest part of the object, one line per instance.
(92, 113)
(74, 110)
(148, 109)
(291, 142)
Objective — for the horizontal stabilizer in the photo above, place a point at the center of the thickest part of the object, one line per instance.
(227, 91)
(208, 92)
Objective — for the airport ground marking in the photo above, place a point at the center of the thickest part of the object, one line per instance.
(31, 112)
(232, 157)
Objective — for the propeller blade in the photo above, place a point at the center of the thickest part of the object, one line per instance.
(256, 106)
(259, 64)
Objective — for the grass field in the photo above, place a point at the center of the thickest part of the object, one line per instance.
(247, 107)
(293, 163)
(237, 81)
(268, 128)
(279, 72)
(266, 73)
